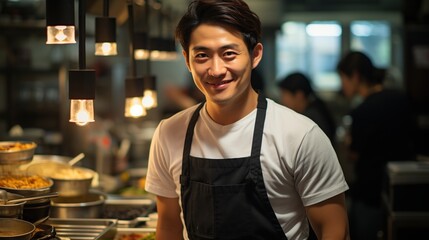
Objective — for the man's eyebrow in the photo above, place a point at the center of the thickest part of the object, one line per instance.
(203, 48)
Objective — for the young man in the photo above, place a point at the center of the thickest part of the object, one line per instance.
(240, 166)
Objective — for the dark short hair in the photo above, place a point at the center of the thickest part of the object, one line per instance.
(296, 81)
(359, 62)
(231, 13)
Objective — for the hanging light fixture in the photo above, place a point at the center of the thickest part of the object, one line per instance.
(133, 97)
(105, 33)
(82, 81)
(150, 99)
(163, 48)
(81, 95)
(60, 22)
(141, 46)
(133, 85)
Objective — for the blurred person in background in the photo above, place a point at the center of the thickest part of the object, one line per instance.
(297, 93)
(382, 129)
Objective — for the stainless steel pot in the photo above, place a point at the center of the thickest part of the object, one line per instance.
(73, 185)
(90, 205)
(16, 156)
(11, 210)
(16, 229)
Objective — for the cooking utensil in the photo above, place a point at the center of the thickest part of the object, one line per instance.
(76, 159)
(37, 212)
(15, 229)
(73, 182)
(31, 191)
(67, 180)
(16, 152)
(23, 199)
(3, 195)
(11, 210)
(86, 206)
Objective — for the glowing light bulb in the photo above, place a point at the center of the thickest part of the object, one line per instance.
(134, 107)
(81, 111)
(60, 35)
(149, 99)
(141, 54)
(106, 49)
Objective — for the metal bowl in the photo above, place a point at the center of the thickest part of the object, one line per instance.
(20, 156)
(90, 205)
(77, 183)
(28, 192)
(16, 229)
(11, 210)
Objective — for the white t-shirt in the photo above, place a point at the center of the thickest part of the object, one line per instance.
(299, 164)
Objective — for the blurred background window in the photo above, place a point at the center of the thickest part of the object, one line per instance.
(315, 48)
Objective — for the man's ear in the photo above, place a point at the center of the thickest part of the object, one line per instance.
(186, 59)
(257, 53)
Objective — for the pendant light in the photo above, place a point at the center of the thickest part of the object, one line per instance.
(150, 99)
(105, 33)
(82, 81)
(60, 22)
(133, 85)
(141, 46)
(163, 48)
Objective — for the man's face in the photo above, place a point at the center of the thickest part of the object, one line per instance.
(220, 63)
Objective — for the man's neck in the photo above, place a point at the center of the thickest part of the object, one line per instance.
(225, 114)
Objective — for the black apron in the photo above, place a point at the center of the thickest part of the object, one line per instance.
(226, 198)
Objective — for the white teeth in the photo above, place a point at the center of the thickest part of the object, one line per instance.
(220, 83)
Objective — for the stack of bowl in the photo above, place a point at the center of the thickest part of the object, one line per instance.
(13, 155)
(76, 198)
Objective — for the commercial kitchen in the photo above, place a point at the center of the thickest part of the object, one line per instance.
(119, 62)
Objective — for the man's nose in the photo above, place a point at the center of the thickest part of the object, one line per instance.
(217, 68)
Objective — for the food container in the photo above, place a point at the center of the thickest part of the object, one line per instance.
(90, 205)
(11, 210)
(16, 229)
(16, 152)
(27, 191)
(70, 182)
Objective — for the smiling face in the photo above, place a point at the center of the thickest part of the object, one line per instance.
(221, 64)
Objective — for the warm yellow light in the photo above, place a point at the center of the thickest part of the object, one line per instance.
(134, 107)
(106, 49)
(81, 111)
(141, 54)
(60, 35)
(150, 99)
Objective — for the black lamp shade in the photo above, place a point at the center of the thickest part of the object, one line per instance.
(134, 87)
(82, 84)
(150, 83)
(140, 40)
(105, 29)
(59, 12)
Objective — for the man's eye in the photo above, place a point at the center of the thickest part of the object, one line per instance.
(201, 55)
(230, 54)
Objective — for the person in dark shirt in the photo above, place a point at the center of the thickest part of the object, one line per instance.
(296, 93)
(381, 130)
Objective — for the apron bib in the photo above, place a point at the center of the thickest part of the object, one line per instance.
(226, 198)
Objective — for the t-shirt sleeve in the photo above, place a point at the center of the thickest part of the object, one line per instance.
(318, 173)
(159, 180)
